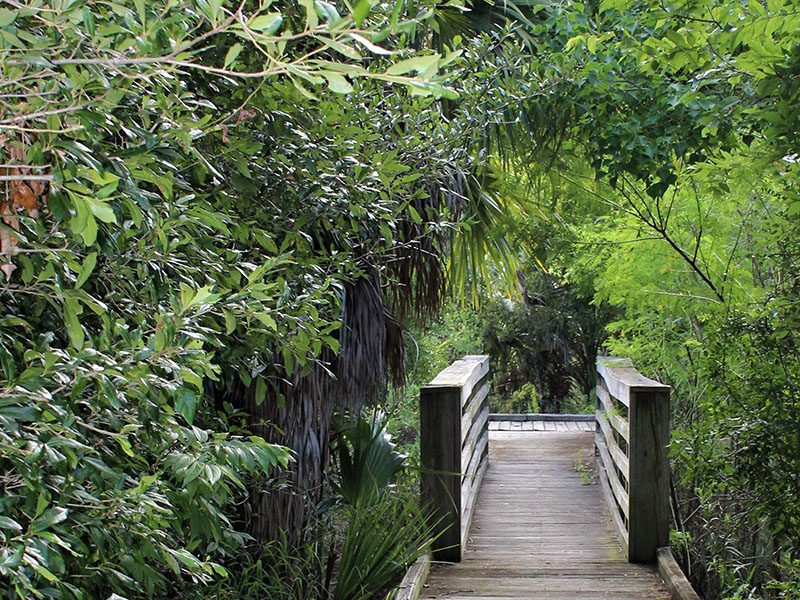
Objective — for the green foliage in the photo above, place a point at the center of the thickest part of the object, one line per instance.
(381, 542)
(525, 399)
(368, 461)
(430, 347)
(278, 571)
(657, 141)
(180, 217)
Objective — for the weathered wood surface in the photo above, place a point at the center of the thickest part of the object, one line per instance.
(633, 434)
(540, 417)
(414, 579)
(454, 416)
(540, 531)
(541, 425)
(674, 577)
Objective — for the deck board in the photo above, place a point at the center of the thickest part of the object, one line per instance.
(539, 530)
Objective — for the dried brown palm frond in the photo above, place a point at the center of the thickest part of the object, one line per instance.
(361, 364)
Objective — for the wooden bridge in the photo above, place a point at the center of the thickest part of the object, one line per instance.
(548, 507)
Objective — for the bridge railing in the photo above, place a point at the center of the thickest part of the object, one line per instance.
(633, 433)
(454, 449)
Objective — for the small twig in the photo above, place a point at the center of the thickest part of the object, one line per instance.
(43, 113)
(26, 178)
(21, 166)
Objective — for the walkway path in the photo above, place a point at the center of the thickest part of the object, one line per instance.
(541, 529)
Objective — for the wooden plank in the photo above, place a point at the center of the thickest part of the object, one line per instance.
(540, 417)
(472, 498)
(616, 486)
(469, 470)
(474, 463)
(539, 533)
(648, 482)
(673, 576)
(621, 378)
(464, 373)
(479, 427)
(611, 505)
(620, 458)
(414, 579)
(473, 408)
(616, 420)
(440, 456)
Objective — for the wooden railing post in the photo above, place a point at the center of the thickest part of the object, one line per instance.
(454, 417)
(633, 434)
(648, 523)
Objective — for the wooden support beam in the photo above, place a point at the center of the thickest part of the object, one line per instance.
(454, 424)
(648, 483)
(440, 454)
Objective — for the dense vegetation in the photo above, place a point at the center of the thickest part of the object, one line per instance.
(218, 219)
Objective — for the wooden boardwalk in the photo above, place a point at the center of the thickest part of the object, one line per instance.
(541, 528)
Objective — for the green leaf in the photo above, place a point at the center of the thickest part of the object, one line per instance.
(342, 49)
(190, 298)
(9, 524)
(232, 54)
(45, 573)
(337, 83)
(88, 266)
(267, 320)
(230, 322)
(327, 11)
(268, 24)
(89, 232)
(261, 390)
(186, 403)
(7, 16)
(101, 210)
(140, 8)
(125, 445)
(311, 14)
(50, 517)
(418, 64)
(361, 11)
(74, 329)
(375, 49)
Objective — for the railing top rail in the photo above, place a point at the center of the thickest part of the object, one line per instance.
(462, 373)
(620, 374)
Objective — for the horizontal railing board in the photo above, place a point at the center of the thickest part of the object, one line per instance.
(414, 580)
(674, 577)
(620, 458)
(611, 504)
(616, 420)
(475, 458)
(471, 498)
(539, 417)
(473, 408)
(622, 498)
(478, 429)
